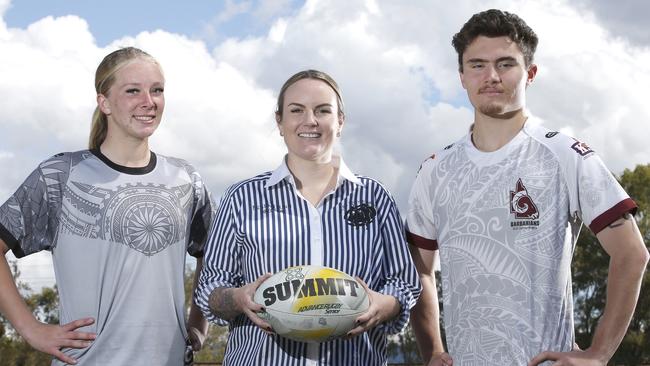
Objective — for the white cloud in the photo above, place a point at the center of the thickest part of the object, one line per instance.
(388, 56)
(35, 270)
(393, 61)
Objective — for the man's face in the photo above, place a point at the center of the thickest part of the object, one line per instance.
(495, 76)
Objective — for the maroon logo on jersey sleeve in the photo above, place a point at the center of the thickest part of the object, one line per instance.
(521, 204)
(581, 148)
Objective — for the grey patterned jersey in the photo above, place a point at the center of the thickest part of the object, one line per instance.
(505, 223)
(118, 238)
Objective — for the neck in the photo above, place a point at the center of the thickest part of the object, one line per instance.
(313, 179)
(127, 153)
(492, 133)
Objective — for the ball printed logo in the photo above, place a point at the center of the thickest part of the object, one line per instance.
(311, 303)
(325, 283)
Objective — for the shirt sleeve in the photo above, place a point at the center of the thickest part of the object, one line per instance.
(399, 278)
(29, 218)
(222, 259)
(202, 217)
(421, 230)
(596, 197)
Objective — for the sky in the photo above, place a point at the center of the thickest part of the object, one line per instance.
(224, 62)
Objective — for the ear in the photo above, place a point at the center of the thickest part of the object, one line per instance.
(103, 104)
(532, 72)
(341, 121)
(462, 79)
(278, 120)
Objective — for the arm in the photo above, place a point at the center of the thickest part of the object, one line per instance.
(628, 259)
(229, 302)
(381, 308)
(397, 289)
(425, 316)
(46, 338)
(197, 325)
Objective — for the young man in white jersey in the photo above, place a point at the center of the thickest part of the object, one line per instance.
(503, 208)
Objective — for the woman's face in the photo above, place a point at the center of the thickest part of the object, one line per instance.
(310, 122)
(134, 104)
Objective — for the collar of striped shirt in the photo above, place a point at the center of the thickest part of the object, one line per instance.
(344, 173)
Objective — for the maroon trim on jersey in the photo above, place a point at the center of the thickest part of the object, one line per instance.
(613, 214)
(420, 242)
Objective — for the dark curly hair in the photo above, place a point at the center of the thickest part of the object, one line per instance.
(496, 23)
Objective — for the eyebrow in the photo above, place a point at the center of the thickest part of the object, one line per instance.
(500, 59)
(140, 85)
(318, 106)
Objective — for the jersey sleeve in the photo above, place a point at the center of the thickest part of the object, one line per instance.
(596, 197)
(421, 230)
(29, 218)
(202, 216)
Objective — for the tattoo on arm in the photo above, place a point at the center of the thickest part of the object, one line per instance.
(222, 303)
(620, 222)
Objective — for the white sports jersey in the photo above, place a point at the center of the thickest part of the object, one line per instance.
(506, 223)
(118, 237)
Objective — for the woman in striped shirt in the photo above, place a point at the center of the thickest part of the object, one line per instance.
(306, 212)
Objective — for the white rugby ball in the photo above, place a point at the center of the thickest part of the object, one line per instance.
(311, 303)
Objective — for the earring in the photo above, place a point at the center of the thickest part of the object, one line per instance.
(281, 133)
(338, 134)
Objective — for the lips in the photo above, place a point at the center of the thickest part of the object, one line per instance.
(311, 135)
(145, 118)
(490, 91)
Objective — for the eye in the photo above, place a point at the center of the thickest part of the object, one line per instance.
(132, 91)
(506, 64)
(157, 91)
(476, 66)
(295, 110)
(323, 111)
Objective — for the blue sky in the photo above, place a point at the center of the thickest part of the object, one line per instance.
(225, 60)
(209, 21)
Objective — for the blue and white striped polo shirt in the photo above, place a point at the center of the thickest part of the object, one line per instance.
(263, 224)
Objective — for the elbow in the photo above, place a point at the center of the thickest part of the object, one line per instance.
(645, 257)
(639, 260)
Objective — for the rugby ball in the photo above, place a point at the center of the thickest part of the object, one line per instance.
(311, 303)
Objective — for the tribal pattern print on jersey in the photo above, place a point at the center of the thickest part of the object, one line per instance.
(505, 224)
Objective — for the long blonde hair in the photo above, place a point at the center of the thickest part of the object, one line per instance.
(104, 79)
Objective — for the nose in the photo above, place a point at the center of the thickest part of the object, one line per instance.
(311, 118)
(148, 101)
(492, 74)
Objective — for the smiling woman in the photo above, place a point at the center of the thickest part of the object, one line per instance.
(311, 210)
(119, 220)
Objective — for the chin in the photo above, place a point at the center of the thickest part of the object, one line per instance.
(492, 110)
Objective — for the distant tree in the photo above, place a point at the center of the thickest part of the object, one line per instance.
(215, 343)
(14, 349)
(590, 269)
(403, 347)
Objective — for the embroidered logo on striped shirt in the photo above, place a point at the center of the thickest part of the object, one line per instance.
(360, 215)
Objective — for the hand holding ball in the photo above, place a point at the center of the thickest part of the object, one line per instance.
(311, 303)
